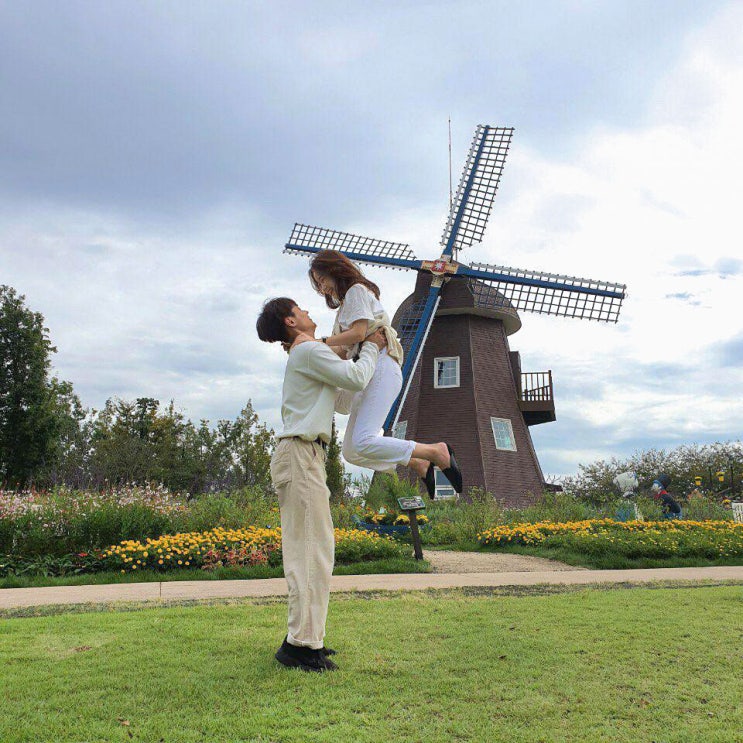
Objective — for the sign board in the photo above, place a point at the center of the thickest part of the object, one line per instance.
(411, 504)
(440, 267)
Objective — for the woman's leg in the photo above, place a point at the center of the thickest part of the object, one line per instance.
(363, 445)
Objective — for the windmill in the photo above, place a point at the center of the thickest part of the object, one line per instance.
(482, 404)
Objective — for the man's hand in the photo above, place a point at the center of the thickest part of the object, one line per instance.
(378, 338)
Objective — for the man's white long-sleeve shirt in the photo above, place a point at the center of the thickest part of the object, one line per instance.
(311, 381)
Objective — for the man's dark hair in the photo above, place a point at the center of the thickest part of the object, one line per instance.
(270, 324)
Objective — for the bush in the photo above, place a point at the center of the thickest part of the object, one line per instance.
(66, 521)
(384, 491)
(355, 545)
(457, 522)
(630, 539)
(700, 508)
(554, 507)
(209, 550)
(246, 507)
(345, 511)
(593, 483)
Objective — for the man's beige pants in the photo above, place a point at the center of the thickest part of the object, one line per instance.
(307, 538)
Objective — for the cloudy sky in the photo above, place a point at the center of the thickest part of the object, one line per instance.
(154, 156)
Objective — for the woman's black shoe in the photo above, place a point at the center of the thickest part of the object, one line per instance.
(452, 473)
(430, 481)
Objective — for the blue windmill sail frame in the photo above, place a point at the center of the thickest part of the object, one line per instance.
(532, 291)
(412, 355)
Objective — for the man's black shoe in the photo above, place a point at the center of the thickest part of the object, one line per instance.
(325, 651)
(306, 659)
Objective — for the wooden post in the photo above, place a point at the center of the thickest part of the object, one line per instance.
(411, 506)
(417, 547)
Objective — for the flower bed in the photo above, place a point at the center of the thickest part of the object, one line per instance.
(387, 523)
(207, 550)
(63, 521)
(652, 539)
(251, 546)
(384, 517)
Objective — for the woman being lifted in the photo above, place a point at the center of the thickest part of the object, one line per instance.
(359, 313)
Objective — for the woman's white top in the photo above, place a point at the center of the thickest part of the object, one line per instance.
(361, 304)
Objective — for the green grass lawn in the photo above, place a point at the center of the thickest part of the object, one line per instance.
(638, 664)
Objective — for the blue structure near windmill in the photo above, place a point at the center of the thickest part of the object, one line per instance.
(461, 381)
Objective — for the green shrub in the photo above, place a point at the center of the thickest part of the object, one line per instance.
(556, 507)
(699, 508)
(639, 539)
(356, 546)
(457, 522)
(344, 513)
(683, 464)
(384, 491)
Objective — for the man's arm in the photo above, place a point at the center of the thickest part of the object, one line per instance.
(324, 366)
(343, 401)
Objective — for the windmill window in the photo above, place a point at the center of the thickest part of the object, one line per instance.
(503, 433)
(444, 488)
(401, 430)
(446, 372)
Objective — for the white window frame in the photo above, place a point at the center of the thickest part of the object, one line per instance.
(445, 491)
(401, 430)
(436, 372)
(494, 420)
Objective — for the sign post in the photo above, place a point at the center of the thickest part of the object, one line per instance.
(410, 507)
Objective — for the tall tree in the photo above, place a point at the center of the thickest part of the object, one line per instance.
(336, 473)
(30, 424)
(250, 443)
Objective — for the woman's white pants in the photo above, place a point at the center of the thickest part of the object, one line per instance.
(363, 444)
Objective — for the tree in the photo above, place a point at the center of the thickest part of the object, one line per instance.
(139, 442)
(682, 464)
(250, 444)
(336, 474)
(34, 410)
(70, 458)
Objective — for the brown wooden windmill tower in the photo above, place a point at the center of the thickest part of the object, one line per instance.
(461, 382)
(469, 390)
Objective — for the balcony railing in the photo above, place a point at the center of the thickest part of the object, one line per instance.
(536, 386)
(536, 398)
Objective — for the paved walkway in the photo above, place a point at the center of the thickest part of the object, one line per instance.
(210, 589)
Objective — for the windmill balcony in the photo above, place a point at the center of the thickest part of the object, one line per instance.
(536, 398)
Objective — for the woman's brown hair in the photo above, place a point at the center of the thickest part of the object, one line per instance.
(344, 273)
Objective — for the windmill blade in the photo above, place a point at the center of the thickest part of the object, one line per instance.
(471, 208)
(545, 293)
(306, 240)
(414, 327)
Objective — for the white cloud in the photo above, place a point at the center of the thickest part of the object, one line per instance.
(168, 311)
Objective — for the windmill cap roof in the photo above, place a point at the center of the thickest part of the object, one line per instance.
(463, 296)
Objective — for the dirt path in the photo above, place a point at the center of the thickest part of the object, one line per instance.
(445, 561)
